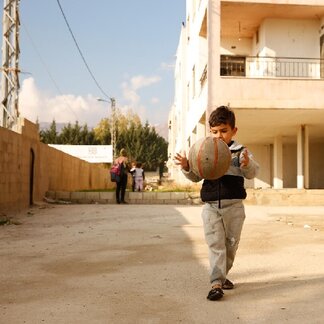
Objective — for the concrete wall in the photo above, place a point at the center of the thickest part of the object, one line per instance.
(29, 168)
(290, 38)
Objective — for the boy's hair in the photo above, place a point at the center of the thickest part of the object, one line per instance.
(222, 115)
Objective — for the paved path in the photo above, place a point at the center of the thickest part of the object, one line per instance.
(148, 264)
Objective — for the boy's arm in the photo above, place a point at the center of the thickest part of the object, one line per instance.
(185, 167)
(249, 166)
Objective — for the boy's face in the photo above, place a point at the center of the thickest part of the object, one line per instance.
(224, 132)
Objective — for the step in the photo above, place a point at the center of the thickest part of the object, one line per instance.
(276, 197)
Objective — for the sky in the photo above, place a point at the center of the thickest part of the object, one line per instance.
(129, 47)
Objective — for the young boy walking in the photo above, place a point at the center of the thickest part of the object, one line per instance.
(223, 213)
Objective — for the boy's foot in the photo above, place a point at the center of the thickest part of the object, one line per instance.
(228, 284)
(215, 293)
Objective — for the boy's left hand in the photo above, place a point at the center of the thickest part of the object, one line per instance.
(244, 158)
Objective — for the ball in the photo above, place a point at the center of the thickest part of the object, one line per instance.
(209, 158)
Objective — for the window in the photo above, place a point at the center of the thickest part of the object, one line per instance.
(232, 65)
(203, 77)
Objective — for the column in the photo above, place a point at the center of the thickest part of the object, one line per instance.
(300, 158)
(306, 156)
(213, 41)
(277, 163)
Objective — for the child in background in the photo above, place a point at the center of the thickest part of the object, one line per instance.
(139, 177)
(132, 172)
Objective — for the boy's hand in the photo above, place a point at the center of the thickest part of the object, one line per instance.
(182, 161)
(244, 158)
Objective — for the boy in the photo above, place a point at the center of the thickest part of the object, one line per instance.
(223, 213)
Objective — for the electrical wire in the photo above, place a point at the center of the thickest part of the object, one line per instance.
(47, 70)
(80, 52)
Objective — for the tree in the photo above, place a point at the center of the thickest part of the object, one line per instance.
(144, 145)
(88, 137)
(142, 142)
(102, 132)
(49, 136)
(73, 135)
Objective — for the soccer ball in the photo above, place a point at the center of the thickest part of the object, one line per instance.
(209, 158)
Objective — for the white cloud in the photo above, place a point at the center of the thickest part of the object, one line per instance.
(140, 81)
(167, 66)
(130, 90)
(35, 105)
(155, 100)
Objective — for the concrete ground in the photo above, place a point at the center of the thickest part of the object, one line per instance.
(149, 264)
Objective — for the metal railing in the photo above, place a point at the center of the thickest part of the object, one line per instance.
(272, 67)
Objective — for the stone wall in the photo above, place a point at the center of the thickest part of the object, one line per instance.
(29, 168)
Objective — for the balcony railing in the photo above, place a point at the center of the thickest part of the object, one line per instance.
(272, 67)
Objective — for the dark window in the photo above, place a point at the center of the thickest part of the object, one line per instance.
(232, 65)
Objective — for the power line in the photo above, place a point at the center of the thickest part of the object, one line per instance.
(47, 70)
(82, 56)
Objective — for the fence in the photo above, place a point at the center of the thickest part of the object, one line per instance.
(272, 67)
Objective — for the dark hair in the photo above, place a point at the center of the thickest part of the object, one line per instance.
(222, 115)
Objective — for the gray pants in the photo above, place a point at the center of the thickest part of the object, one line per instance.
(223, 227)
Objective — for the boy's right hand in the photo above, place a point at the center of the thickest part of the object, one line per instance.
(182, 161)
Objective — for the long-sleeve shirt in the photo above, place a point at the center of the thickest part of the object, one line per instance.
(230, 185)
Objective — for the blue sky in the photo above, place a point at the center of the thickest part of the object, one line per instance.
(129, 46)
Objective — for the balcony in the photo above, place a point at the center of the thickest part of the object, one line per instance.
(272, 67)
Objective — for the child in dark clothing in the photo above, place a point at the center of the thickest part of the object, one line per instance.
(223, 213)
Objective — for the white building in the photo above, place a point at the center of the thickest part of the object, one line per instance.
(265, 59)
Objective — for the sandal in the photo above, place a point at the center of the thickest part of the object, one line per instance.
(215, 293)
(227, 284)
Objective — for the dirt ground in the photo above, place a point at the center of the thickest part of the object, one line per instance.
(149, 264)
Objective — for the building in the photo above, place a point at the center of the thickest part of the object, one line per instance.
(265, 59)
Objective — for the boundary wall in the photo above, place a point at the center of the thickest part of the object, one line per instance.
(29, 168)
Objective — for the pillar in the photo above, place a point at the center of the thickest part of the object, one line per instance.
(306, 157)
(213, 41)
(302, 157)
(277, 163)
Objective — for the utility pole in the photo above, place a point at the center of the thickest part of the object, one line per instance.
(9, 111)
(113, 125)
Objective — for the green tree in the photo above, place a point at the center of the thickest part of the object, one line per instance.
(88, 137)
(49, 136)
(142, 142)
(102, 132)
(73, 135)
